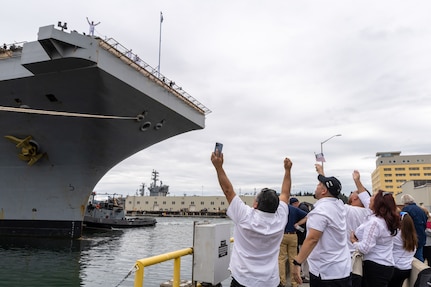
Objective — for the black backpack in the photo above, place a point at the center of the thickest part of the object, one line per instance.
(424, 278)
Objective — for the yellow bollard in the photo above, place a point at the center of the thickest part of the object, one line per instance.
(176, 255)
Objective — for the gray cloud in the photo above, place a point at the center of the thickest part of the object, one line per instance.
(279, 76)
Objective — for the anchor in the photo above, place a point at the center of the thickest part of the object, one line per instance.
(29, 149)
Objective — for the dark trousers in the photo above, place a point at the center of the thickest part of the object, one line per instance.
(235, 283)
(399, 277)
(318, 282)
(427, 254)
(356, 280)
(376, 275)
(420, 253)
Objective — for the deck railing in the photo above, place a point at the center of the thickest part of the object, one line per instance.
(11, 50)
(135, 61)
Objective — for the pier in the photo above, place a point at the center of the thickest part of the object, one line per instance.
(210, 264)
(417, 268)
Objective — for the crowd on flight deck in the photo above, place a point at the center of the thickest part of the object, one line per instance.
(320, 242)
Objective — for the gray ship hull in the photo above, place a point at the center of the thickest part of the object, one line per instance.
(86, 108)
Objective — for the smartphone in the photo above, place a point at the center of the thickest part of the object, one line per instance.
(219, 147)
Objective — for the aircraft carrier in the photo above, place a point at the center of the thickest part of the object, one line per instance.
(72, 106)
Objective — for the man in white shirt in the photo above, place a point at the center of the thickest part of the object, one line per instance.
(258, 231)
(357, 209)
(325, 247)
(357, 212)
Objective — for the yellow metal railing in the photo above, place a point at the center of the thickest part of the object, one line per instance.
(175, 255)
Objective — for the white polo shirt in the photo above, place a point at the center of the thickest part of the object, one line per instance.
(257, 235)
(330, 257)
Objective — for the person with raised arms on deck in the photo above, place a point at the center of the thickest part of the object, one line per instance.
(92, 27)
(258, 230)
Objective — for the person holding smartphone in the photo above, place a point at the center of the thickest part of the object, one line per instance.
(258, 230)
(325, 246)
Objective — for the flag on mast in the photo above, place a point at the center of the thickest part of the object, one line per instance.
(320, 157)
(161, 17)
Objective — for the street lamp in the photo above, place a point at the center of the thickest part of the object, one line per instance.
(321, 144)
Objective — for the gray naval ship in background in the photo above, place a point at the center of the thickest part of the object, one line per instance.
(109, 213)
(72, 107)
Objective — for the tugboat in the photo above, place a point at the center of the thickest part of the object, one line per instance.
(110, 213)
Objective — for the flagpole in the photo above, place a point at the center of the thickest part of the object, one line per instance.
(321, 144)
(160, 41)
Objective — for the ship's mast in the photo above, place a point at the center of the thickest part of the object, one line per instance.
(155, 190)
(142, 189)
(155, 175)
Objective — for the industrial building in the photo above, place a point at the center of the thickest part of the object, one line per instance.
(210, 204)
(393, 170)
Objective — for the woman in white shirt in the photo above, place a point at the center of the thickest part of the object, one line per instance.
(374, 239)
(405, 243)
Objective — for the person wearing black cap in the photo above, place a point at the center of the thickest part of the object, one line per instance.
(325, 247)
(258, 230)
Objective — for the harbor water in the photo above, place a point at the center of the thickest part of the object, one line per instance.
(102, 258)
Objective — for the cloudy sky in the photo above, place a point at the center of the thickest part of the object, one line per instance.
(279, 76)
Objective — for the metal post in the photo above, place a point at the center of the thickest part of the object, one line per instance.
(160, 41)
(139, 275)
(321, 144)
(177, 268)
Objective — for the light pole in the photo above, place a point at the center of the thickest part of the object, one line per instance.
(321, 144)
(160, 42)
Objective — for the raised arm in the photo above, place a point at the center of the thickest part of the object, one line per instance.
(357, 179)
(287, 181)
(225, 184)
(319, 169)
(364, 196)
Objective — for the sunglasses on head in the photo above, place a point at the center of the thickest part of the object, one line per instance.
(268, 190)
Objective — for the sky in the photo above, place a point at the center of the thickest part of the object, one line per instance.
(280, 78)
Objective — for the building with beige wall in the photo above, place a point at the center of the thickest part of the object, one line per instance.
(188, 203)
(393, 170)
